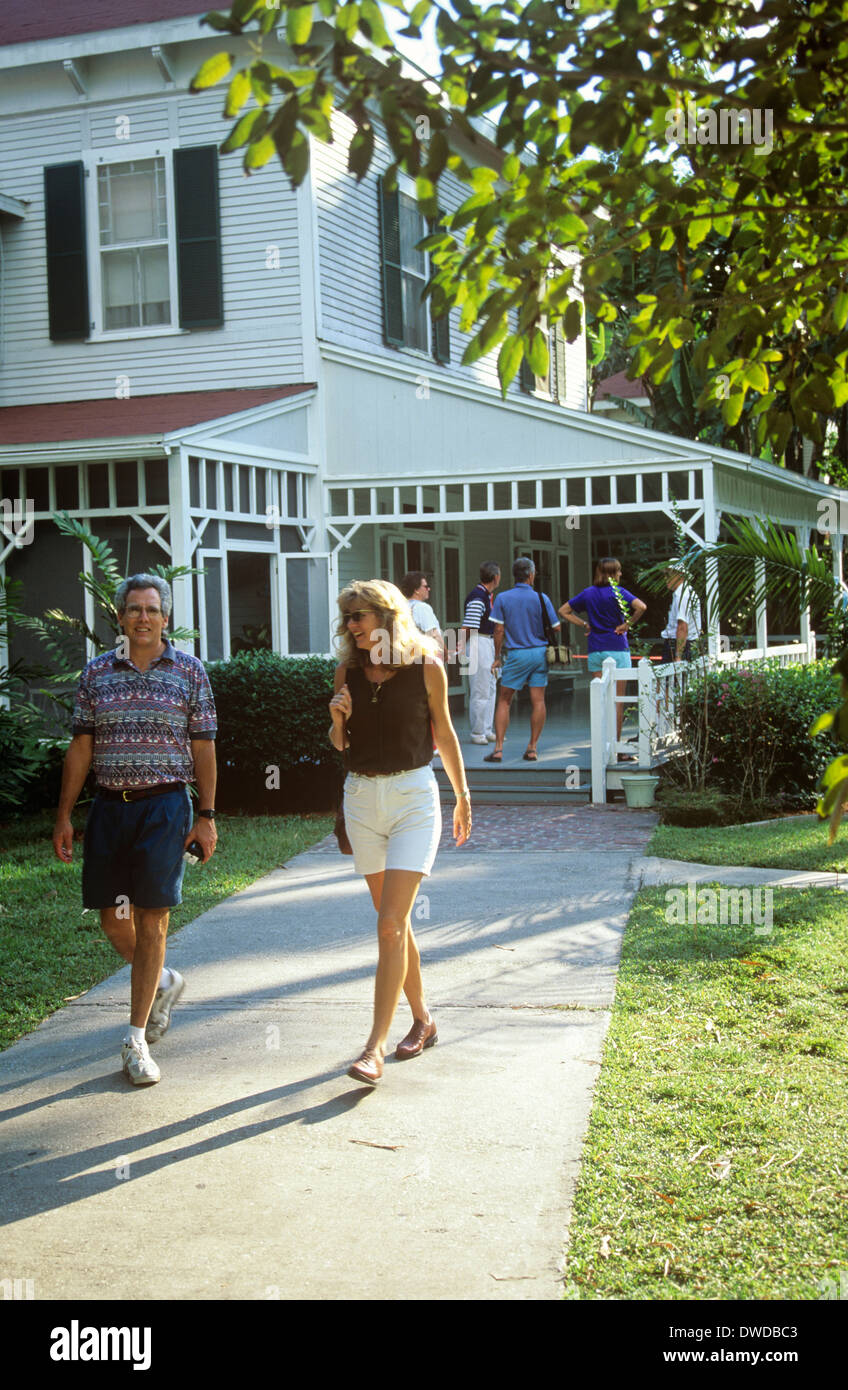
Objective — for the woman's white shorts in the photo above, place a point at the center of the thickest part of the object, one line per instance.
(393, 821)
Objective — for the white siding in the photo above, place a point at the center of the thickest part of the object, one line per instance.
(378, 425)
(260, 343)
(350, 272)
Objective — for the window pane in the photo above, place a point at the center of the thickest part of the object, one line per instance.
(132, 201)
(414, 313)
(155, 292)
(412, 229)
(135, 287)
(120, 300)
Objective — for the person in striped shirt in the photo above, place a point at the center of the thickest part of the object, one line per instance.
(479, 634)
(144, 719)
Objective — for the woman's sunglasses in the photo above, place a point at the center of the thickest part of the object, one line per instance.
(357, 615)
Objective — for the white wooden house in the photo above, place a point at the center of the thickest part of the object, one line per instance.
(220, 370)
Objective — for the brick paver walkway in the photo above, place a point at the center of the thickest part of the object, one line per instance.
(531, 827)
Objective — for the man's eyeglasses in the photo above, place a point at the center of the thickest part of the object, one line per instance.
(357, 615)
(133, 611)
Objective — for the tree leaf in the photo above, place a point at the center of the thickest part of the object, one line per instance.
(211, 72)
(259, 152)
(509, 360)
(237, 94)
(299, 25)
(537, 354)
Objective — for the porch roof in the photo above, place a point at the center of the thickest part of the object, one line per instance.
(143, 417)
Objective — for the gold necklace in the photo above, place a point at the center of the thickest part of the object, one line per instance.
(377, 687)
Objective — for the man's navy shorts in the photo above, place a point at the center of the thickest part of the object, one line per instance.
(134, 850)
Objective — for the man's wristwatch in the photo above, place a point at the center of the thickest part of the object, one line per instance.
(210, 815)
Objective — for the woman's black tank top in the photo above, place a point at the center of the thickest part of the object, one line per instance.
(389, 726)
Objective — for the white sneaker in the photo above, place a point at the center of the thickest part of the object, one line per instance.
(139, 1066)
(479, 738)
(491, 736)
(160, 1015)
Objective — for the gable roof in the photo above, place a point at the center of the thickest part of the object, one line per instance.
(62, 421)
(25, 21)
(620, 386)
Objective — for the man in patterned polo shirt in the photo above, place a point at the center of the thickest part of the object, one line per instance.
(145, 718)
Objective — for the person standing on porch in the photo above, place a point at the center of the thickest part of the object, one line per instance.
(479, 634)
(144, 718)
(684, 616)
(416, 587)
(390, 701)
(517, 616)
(611, 612)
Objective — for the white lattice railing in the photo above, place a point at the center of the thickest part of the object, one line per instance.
(657, 691)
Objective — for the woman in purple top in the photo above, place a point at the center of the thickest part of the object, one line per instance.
(610, 610)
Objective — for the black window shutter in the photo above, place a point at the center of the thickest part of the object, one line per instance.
(440, 328)
(441, 338)
(526, 378)
(389, 204)
(198, 237)
(67, 269)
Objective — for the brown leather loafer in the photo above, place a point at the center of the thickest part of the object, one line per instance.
(369, 1068)
(420, 1035)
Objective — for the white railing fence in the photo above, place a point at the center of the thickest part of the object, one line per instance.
(657, 692)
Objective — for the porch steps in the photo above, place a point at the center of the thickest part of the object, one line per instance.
(516, 786)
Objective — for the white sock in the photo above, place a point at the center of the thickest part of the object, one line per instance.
(136, 1034)
(167, 978)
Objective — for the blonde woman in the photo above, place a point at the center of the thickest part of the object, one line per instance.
(390, 703)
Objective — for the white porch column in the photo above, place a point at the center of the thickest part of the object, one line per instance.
(712, 522)
(802, 534)
(180, 530)
(836, 547)
(762, 622)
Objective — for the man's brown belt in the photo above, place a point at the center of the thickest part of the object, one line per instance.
(139, 793)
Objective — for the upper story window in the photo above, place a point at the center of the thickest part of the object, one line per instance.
(134, 244)
(132, 200)
(407, 322)
(413, 264)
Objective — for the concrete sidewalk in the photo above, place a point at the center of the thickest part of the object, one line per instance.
(657, 871)
(256, 1169)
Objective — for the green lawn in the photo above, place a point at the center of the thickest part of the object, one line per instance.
(781, 844)
(716, 1163)
(50, 951)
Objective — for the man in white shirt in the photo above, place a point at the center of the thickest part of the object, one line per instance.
(684, 617)
(416, 587)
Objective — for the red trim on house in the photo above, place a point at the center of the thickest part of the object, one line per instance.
(61, 421)
(25, 21)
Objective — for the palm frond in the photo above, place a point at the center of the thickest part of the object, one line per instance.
(100, 551)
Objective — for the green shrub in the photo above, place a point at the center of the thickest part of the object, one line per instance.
(689, 807)
(273, 720)
(752, 725)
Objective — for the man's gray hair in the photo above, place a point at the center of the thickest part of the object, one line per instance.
(144, 581)
(522, 569)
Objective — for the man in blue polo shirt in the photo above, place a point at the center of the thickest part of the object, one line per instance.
(144, 717)
(517, 616)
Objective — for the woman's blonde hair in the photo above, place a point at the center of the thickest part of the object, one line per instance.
(403, 645)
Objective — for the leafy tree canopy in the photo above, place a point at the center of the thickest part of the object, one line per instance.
(622, 129)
